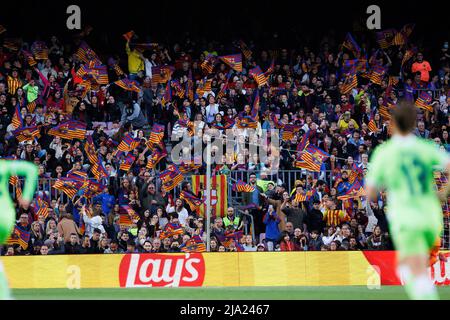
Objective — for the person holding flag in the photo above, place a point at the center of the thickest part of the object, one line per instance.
(9, 169)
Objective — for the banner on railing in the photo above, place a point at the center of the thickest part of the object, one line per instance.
(219, 194)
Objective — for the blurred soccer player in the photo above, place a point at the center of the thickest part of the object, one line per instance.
(404, 166)
(8, 213)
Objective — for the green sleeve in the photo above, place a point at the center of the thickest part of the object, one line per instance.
(438, 158)
(27, 170)
(375, 175)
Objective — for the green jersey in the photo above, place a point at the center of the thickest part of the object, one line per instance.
(404, 166)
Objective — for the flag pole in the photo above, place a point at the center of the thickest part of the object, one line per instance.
(208, 194)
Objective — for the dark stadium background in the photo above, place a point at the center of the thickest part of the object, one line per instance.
(220, 20)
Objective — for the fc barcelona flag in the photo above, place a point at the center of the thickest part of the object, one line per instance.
(128, 143)
(69, 130)
(234, 61)
(156, 135)
(155, 158)
(385, 38)
(128, 85)
(27, 133)
(218, 194)
(241, 186)
(257, 74)
(170, 178)
(245, 50)
(17, 120)
(350, 44)
(23, 237)
(30, 58)
(40, 50)
(192, 200)
(89, 148)
(126, 163)
(87, 55)
(41, 207)
(424, 101)
(195, 244)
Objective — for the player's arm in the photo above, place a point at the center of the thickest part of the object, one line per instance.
(375, 176)
(440, 159)
(445, 191)
(27, 170)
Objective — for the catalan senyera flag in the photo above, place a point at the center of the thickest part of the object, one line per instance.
(126, 163)
(128, 143)
(384, 112)
(372, 124)
(350, 44)
(170, 178)
(246, 122)
(155, 158)
(128, 85)
(31, 106)
(69, 130)
(245, 50)
(195, 244)
(241, 186)
(218, 194)
(234, 61)
(424, 101)
(191, 199)
(27, 133)
(260, 78)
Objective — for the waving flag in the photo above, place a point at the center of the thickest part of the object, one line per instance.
(41, 207)
(408, 55)
(171, 177)
(171, 229)
(17, 120)
(23, 237)
(69, 130)
(385, 38)
(31, 105)
(224, 88)
(350, 44)
(208, 64)
(27, 133)
(15, 182)
(128, 143)
(39, 50)
(401, 37)
(125, 220)
(372, 124)
(259, 76)
(195, 244)
(376, 74)
(289, 131)
(311, 158)
(246, 122)
(167, 94)
(349, 84)
(128, 85)
(190, 199)
(356, 174)
(304, 196)
(87, 55)
(98, 170)
(234, 61)
(67, 186)
(129, 35)
(89, 148)
(156, 135)
(155, 158)
(162, 74)
(424, 101)
(245, 50)
(241, 186)
(179, 91)
(188, 167)
(126, 163)
(355, 191)
(30, 58)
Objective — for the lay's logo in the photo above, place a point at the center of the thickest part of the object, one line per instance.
(160, 270)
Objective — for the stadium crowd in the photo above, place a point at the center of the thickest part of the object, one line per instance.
(331, 101)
